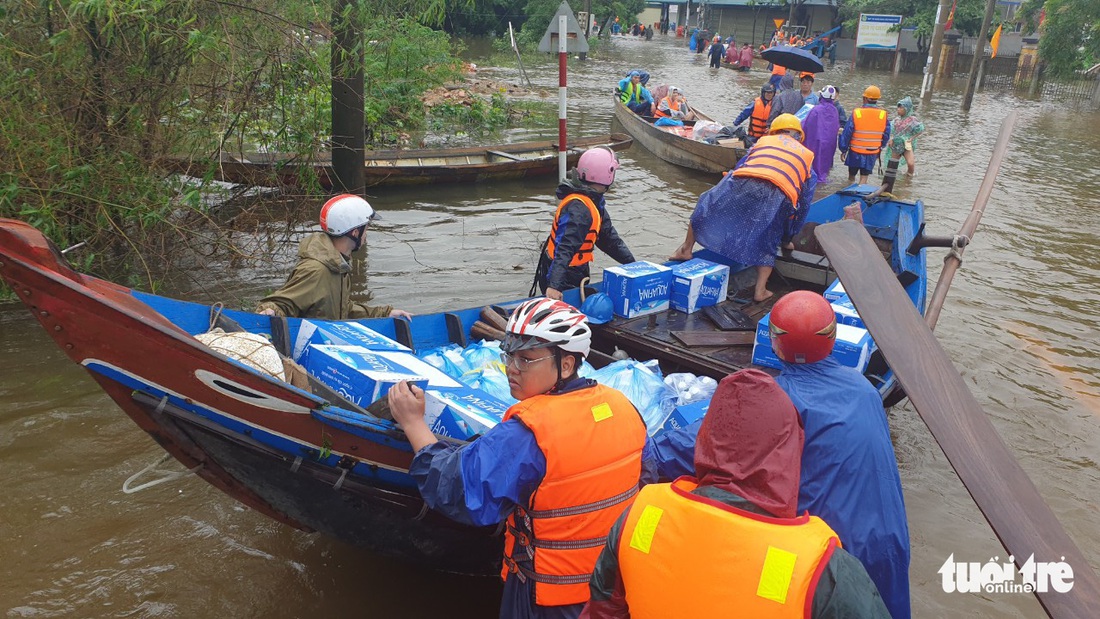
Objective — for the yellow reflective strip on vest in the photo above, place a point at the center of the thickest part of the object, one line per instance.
(642, 538)
(775, 577)
(601, 412)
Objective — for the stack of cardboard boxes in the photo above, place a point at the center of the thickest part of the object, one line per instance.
(362, 365)
(641, 288)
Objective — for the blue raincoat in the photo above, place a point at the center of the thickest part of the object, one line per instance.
(746, 219)
(482, 482)
(849, 472)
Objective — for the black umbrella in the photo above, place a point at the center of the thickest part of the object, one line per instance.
(794, 58)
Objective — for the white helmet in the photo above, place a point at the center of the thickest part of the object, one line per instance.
(345, 213)
(828, 92)
(543, 323)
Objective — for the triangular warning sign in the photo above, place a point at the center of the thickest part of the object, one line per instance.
(779, 22)
(575, 43)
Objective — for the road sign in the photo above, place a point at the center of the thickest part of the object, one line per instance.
(575, 43)
(878, 31)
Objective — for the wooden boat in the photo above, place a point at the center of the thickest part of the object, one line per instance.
(402, 167)
(317, 464)
(675, 145)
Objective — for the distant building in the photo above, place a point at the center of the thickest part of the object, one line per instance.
(753, 23)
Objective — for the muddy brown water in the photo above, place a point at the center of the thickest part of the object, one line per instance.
(1019, 324)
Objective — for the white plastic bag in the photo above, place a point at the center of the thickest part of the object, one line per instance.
(705, 129)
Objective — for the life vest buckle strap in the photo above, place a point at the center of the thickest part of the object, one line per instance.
(550, 579)
(572, 544)
(522, 538)
(584, 509)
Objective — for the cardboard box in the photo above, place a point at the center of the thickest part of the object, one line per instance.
(762, 353)
(846, 313)
(853, 347)
(638, 288)
(339, 334)
(685, 415)
(462, 413)
(698, 283)
(834, 291)
(360, 375)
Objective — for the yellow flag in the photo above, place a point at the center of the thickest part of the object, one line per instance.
(995, 41)
(778, 23)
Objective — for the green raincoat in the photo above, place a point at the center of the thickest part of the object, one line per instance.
(320, 286)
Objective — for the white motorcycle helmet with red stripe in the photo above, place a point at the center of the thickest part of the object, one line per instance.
(544, 323)
(344, 213)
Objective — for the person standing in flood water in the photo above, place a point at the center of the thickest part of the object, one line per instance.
(865, 134)
(320, 284)
(581, 224)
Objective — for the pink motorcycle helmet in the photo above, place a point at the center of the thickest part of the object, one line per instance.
(598, 165)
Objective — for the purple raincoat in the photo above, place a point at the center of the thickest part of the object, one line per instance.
(821, 126)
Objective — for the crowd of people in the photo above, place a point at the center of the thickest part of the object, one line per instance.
(784, 498)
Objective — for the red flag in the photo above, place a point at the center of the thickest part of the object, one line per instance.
(1042, 15)
(951, 16)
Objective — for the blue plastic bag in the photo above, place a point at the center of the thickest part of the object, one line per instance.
(643, 386)
(665, 121)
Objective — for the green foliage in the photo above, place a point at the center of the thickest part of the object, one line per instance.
(540, 12)
(405, 59)
(919, 13)
(1069, 38)
(96, 90)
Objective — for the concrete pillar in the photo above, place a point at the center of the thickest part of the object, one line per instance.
(947, 56)
(1028, 62)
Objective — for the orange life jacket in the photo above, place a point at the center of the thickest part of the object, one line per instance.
(758, 122)
(870, 124)
(782, 160)
(592, 439)
(778, 70)
(674, 542)
(584, 254)
(659, 113)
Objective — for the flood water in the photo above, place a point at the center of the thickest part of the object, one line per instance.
(1016, 323)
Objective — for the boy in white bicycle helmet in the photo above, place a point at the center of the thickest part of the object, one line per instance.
(537, 469)
(320, 284)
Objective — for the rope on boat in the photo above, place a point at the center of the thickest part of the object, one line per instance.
(165, 476)
(958, 243)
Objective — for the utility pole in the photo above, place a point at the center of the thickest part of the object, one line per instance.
(979, 55)
(933, 67)
(348, 117)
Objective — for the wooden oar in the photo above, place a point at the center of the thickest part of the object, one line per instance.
(1005, 495)
(953, 260)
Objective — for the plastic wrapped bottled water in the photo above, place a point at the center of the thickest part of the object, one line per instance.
(691, 388)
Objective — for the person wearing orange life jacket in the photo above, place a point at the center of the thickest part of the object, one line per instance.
(535, 469)
(674, 106)
(865, 135)
(759, 206)
(730, 537)
(757, 112)
(581, 224)
(777, 75)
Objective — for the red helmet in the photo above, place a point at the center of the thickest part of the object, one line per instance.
(803, 327)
